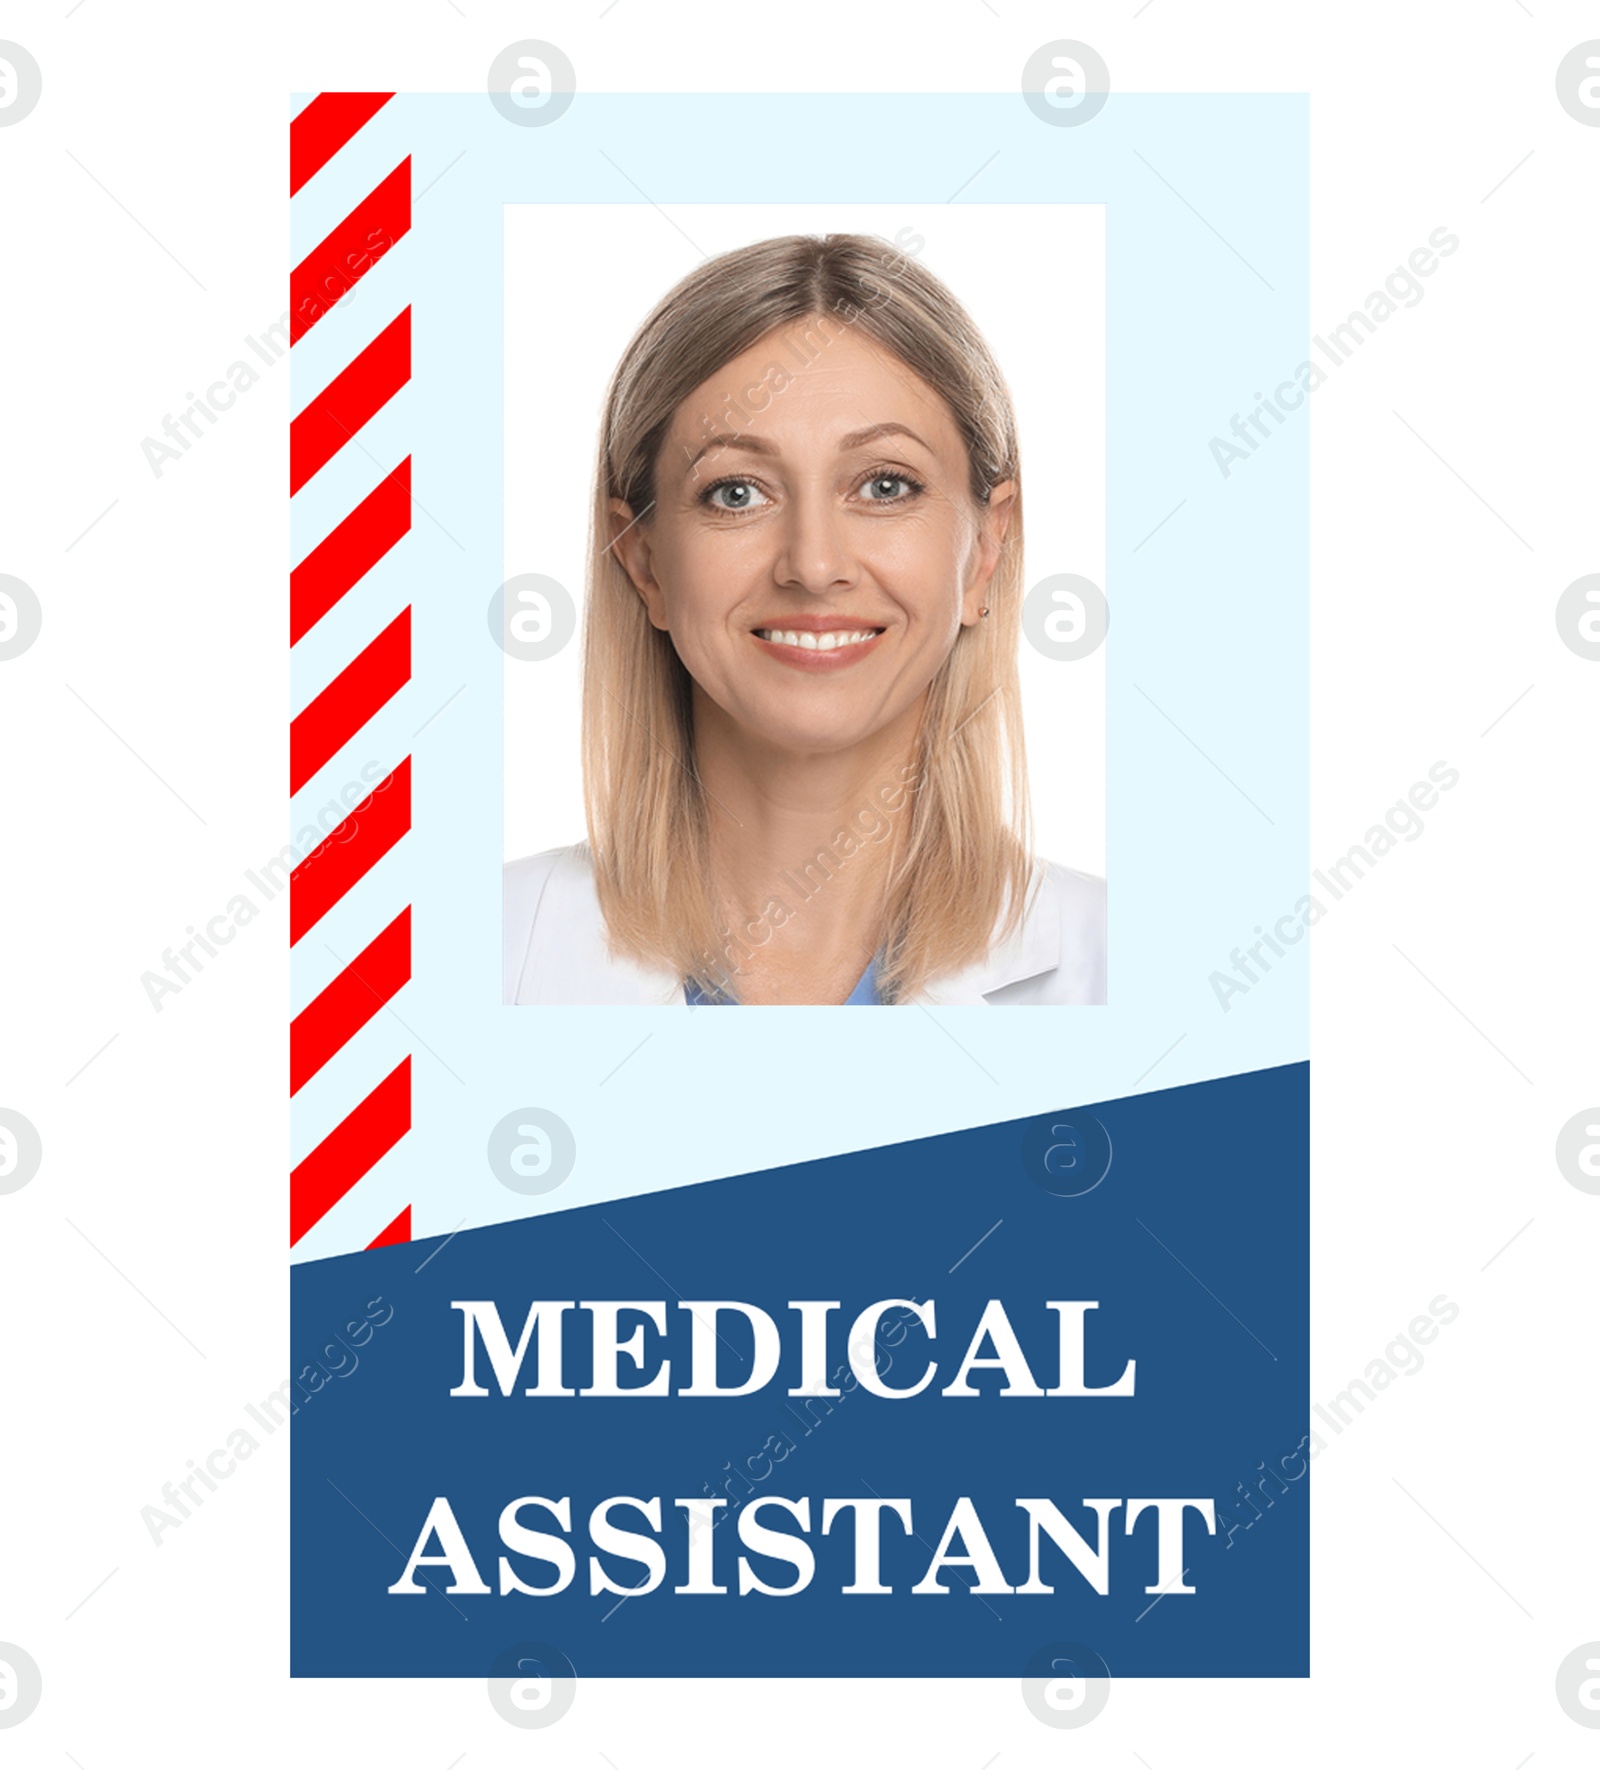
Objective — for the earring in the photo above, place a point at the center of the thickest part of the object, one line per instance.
(983, 612)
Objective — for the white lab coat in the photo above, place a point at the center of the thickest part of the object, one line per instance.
(554, 950)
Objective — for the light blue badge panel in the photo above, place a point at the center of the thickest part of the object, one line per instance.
(1207, 267)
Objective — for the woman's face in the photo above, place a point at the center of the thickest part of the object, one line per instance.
(814, 549)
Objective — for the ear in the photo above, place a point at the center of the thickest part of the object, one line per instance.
(631, 544)
(992, 527)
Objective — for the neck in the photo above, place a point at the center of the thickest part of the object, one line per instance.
(802, 847)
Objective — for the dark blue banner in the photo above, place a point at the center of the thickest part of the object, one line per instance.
(1055, 1377)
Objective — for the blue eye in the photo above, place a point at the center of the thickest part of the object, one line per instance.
(743, 494)
(878, 481)
(735, 494)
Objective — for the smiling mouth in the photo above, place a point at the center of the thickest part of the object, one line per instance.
(804, 639)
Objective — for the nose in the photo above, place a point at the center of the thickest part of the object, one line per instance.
(815, 553)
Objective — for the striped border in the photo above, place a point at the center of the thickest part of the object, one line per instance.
(367, 682)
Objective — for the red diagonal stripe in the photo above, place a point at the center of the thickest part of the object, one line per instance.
(399, 1230)
(350, 700)
(318, 132)
(350, 1151)
(340, 562)
(354, 395)
(349, 851)
(372, 977)
(330, 271)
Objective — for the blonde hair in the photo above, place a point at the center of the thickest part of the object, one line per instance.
(961, 865)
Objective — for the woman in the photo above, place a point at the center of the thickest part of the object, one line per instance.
(803, 763)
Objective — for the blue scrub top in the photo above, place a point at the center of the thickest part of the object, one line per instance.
(864, 995)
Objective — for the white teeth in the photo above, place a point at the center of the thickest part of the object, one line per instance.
(806, 640)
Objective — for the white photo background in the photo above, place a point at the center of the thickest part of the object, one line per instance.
(580, 279)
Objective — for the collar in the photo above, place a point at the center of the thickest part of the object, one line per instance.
(576, 966)
(1034, 946)
(863, 995)
(568, 959)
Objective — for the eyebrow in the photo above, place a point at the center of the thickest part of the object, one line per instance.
(756, 446)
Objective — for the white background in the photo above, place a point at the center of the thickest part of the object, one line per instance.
(1031, 275)
(142, 1283)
